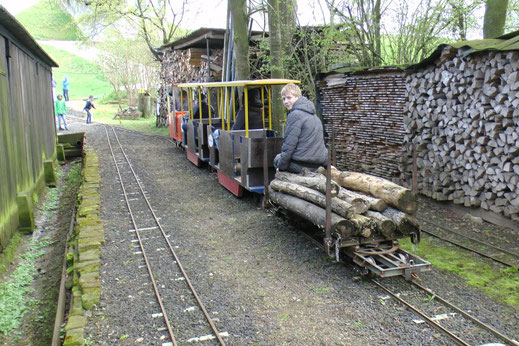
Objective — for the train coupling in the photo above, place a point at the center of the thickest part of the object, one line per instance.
(389, 261)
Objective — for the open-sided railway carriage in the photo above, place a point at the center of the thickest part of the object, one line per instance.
(242, 158)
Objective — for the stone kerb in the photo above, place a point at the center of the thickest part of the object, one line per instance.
(84, 256)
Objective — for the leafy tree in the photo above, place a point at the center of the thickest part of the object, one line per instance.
(157, 21)
(129, 67)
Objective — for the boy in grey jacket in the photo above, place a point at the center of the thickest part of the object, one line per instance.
(303, 144)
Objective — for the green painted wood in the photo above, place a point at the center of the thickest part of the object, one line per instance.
(27, 134)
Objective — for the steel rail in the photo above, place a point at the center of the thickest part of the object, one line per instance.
(434, 324)
(468, 248)
(60, 309)
(150, 273)
(172, 251)
(467, 315)
(468, 237)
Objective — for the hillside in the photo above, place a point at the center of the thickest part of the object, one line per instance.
(86, 78)
(47, 21)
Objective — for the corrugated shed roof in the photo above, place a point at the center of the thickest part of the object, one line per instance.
(16, 29)
(197, 39)
(505, 42)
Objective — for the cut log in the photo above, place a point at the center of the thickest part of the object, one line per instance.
(391, 193)
(405, 223)
(312, 213)
(316, 182)
(339, 206)
(364, 225)
(360, 205)
(361, 201)
(385, 225)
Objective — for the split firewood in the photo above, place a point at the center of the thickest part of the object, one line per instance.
(391, 193)
(405, 223)
(385, 225)
(339, 206)
(311, 212)
(316, 182)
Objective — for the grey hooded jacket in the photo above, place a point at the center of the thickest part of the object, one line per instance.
(303, 141)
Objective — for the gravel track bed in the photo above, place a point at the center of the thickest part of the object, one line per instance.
(504, 237)
(262, 281)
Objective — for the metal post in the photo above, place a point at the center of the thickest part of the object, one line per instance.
(265, 171)
(328, 230)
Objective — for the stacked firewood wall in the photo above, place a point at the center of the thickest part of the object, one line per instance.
(366, 113)
(463, 124)
(185, 66)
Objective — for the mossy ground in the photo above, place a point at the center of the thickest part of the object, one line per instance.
(30, 282)
(497, 281)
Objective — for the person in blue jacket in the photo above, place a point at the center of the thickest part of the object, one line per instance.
(65, 84)
(303, 143)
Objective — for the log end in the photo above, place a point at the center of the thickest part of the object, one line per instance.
(407, 202)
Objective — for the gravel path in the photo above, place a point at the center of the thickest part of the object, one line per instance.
(261, 280)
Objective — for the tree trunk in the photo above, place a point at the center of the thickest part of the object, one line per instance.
(406, 224)
(339, 206)
(316, 182)
(360, 205)
(364, 225)
(276, 62)
(385, 225)
(310, 212)
(389, 192)
(495, 17)
(241, 38)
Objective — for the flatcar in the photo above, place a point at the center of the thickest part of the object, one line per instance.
(243, 158)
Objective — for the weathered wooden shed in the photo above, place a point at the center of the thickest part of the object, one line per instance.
(27, 125)
(448, 126)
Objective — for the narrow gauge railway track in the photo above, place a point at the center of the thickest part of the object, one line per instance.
(478, 331)
(180, 305)
(499, 254)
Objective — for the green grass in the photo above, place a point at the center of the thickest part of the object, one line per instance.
(13, 301)
(104, 113)
(47, 21)
(86, 78)
(498, 283)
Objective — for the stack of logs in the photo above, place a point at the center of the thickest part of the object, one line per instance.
(363, 206)
(365, 112)
(463, 129)
(183, 66)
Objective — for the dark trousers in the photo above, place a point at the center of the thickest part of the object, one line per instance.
(65, 94)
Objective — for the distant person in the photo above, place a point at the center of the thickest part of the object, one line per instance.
(255, 112)
(65, 84)
(61, 110)
(88, 106)
(303, 143)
